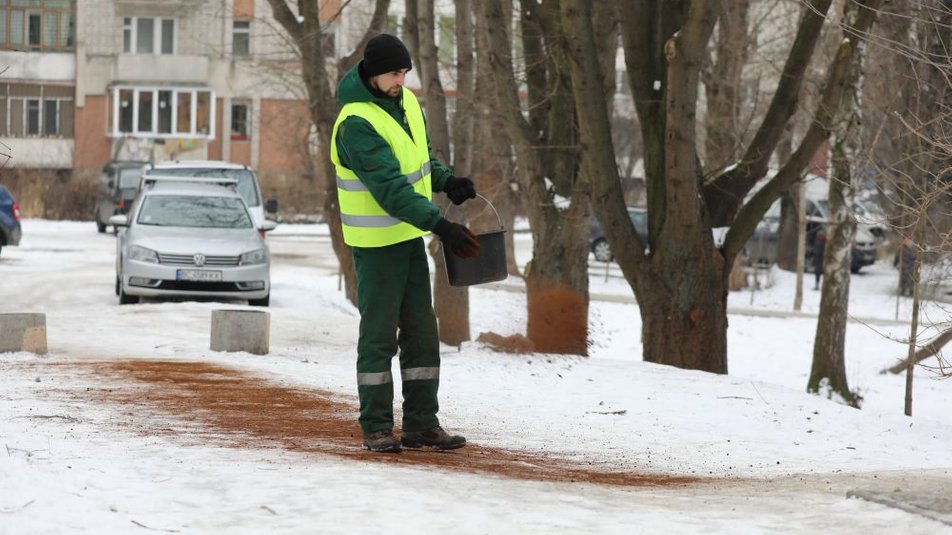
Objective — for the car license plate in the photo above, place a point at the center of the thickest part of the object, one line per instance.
(197, 275)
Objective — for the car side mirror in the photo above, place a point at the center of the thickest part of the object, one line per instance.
(268, 225)
(110, 184)
(271, 206)
(119, 220)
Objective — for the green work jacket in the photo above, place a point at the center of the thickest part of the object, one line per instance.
(385, 173)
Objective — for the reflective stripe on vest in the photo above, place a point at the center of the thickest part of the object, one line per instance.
(357, 185)
(363, 221)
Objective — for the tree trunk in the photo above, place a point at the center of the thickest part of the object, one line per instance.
(451, 303)
(722, 86)
(492, 152)
(828, 371)
(557, 275)
(305, 32)
(698, 295)
(699, 309)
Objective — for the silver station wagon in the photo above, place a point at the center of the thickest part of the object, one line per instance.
(186, 237)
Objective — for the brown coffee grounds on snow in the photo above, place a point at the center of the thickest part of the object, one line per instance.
(207, 403)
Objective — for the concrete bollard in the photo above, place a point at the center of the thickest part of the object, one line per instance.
(241, 330)
(23, 332)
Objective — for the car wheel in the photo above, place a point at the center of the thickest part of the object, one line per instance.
(117, 285)
(602, 251)
(263, 302)
(855, 269)
(124, 298)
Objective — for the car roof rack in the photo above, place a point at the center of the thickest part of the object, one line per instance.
(150, 180)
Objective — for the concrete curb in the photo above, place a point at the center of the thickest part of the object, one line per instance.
(23, 332)
(241, 330)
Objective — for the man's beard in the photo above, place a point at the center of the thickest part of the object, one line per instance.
(394, 91)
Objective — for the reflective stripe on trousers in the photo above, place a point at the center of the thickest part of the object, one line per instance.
(408, 374)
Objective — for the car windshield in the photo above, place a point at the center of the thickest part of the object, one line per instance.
(129, 178)
(194, 211)
(246, 180)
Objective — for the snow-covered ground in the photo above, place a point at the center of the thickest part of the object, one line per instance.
(774, 458)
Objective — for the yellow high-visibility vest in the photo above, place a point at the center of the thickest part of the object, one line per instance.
(364, 222)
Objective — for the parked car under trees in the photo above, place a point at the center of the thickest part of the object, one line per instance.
(191, 239)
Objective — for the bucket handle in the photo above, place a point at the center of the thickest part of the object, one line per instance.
(499, 219)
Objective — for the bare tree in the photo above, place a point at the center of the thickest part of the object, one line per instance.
(909, 130)
(556, 194)
(450, 303)
(684, 321)
(305, 31)
(828, 372)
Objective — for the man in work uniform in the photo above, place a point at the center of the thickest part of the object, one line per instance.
(385, 180)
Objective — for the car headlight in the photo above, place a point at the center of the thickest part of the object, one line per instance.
(143, 255)
(258, 256)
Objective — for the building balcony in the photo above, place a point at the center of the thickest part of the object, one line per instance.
(38, 66)
(161, 69)
(39, 153)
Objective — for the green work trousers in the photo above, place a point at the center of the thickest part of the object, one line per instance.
(396, 312)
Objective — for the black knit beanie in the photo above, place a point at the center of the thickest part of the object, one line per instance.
(385, 53)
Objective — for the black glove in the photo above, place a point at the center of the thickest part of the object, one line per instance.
(458, 189)
(457, 238)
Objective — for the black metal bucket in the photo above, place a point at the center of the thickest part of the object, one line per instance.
(488, 266)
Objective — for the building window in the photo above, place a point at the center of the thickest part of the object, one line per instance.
(38, 25)
(31, 110)
(165, 112)
(153, 112)
(51, 117)
(33, 30)
(240, 125)
(32, 117)
(148, 35)
(241, 38)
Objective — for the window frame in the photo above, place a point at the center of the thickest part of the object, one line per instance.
(154, 133)
(63, 31)
(233, 134)
(130, 35)
(23, 102)
(246, 31)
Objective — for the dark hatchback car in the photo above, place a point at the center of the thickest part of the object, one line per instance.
(596, 236)
(118, 185)
(10, 230)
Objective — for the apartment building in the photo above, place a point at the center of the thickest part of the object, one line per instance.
(89, 81)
